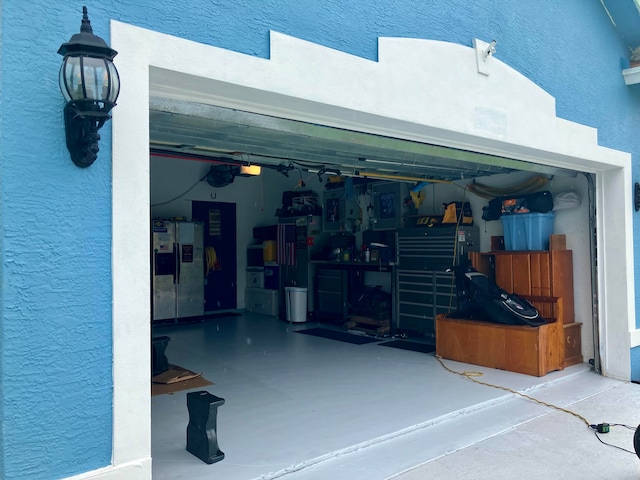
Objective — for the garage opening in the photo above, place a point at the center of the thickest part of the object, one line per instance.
(345, 192)
(311, 170)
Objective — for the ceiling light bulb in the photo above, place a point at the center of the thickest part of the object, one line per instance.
(250, 170)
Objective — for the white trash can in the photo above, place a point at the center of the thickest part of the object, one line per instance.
(296, 302)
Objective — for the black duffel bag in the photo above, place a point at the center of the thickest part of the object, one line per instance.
(538, 202)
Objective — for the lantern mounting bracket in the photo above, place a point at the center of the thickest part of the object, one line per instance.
(82, 134)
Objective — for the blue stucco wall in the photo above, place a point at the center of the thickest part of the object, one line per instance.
(55, 334)
(635, 364)
(55, 330)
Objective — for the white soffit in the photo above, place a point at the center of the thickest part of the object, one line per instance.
(421, 90)
(197, 129)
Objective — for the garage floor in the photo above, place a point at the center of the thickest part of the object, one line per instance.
(305, 407)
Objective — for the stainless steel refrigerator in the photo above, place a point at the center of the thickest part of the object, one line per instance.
(177, 269)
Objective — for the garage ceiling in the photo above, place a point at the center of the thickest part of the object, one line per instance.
(198, 130)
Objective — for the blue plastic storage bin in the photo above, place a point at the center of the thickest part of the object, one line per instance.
(538, 227)
(527, 231)
(514, 233)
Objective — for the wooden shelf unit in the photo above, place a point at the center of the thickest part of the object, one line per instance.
(534, 274)
(538, 273)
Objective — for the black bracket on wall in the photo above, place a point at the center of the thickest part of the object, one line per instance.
(636, 196)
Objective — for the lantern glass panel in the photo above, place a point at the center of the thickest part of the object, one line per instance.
(114, 87)
(89, 78)
(96, 78)
(71, 79)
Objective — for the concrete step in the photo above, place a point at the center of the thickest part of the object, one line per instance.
(385, 457)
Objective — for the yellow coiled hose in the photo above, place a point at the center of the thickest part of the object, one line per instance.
(212, 259)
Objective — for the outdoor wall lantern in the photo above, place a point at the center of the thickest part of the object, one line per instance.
(90, 84)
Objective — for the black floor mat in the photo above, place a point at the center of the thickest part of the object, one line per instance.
(188, 320)
(337, 335)
(413, 346)
(219, 315)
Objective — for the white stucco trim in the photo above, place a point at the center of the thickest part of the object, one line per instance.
(131, 269)
(617, 298)
(419, 90)
(127, 471)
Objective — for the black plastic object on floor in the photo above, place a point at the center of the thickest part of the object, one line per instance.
(202, 437)
(413, 346)
(159, 362)
(337, 335)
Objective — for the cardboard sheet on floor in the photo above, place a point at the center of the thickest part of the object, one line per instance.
(177, 379)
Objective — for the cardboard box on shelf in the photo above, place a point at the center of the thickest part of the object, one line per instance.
(557, 242)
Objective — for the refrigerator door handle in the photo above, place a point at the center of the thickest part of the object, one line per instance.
(177, 273)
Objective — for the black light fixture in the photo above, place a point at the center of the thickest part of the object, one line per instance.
(90, 84)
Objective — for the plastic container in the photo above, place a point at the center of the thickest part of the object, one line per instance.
(261, 300)
(515, 237)
(304, 203)
(296, 303)
(255, 277)
(538, 227)
(269, 251)
(527, 231)
(271, 276)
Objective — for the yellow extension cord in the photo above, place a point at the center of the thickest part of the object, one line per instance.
(471, 375)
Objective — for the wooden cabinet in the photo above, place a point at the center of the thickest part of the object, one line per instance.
(522, 349)
(546, 274)
(572, 344)
(539, 274)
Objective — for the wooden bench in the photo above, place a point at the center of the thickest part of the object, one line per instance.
(515, 348)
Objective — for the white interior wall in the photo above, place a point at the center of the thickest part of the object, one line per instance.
(256, 198)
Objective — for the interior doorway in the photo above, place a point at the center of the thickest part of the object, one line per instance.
(220, 276)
